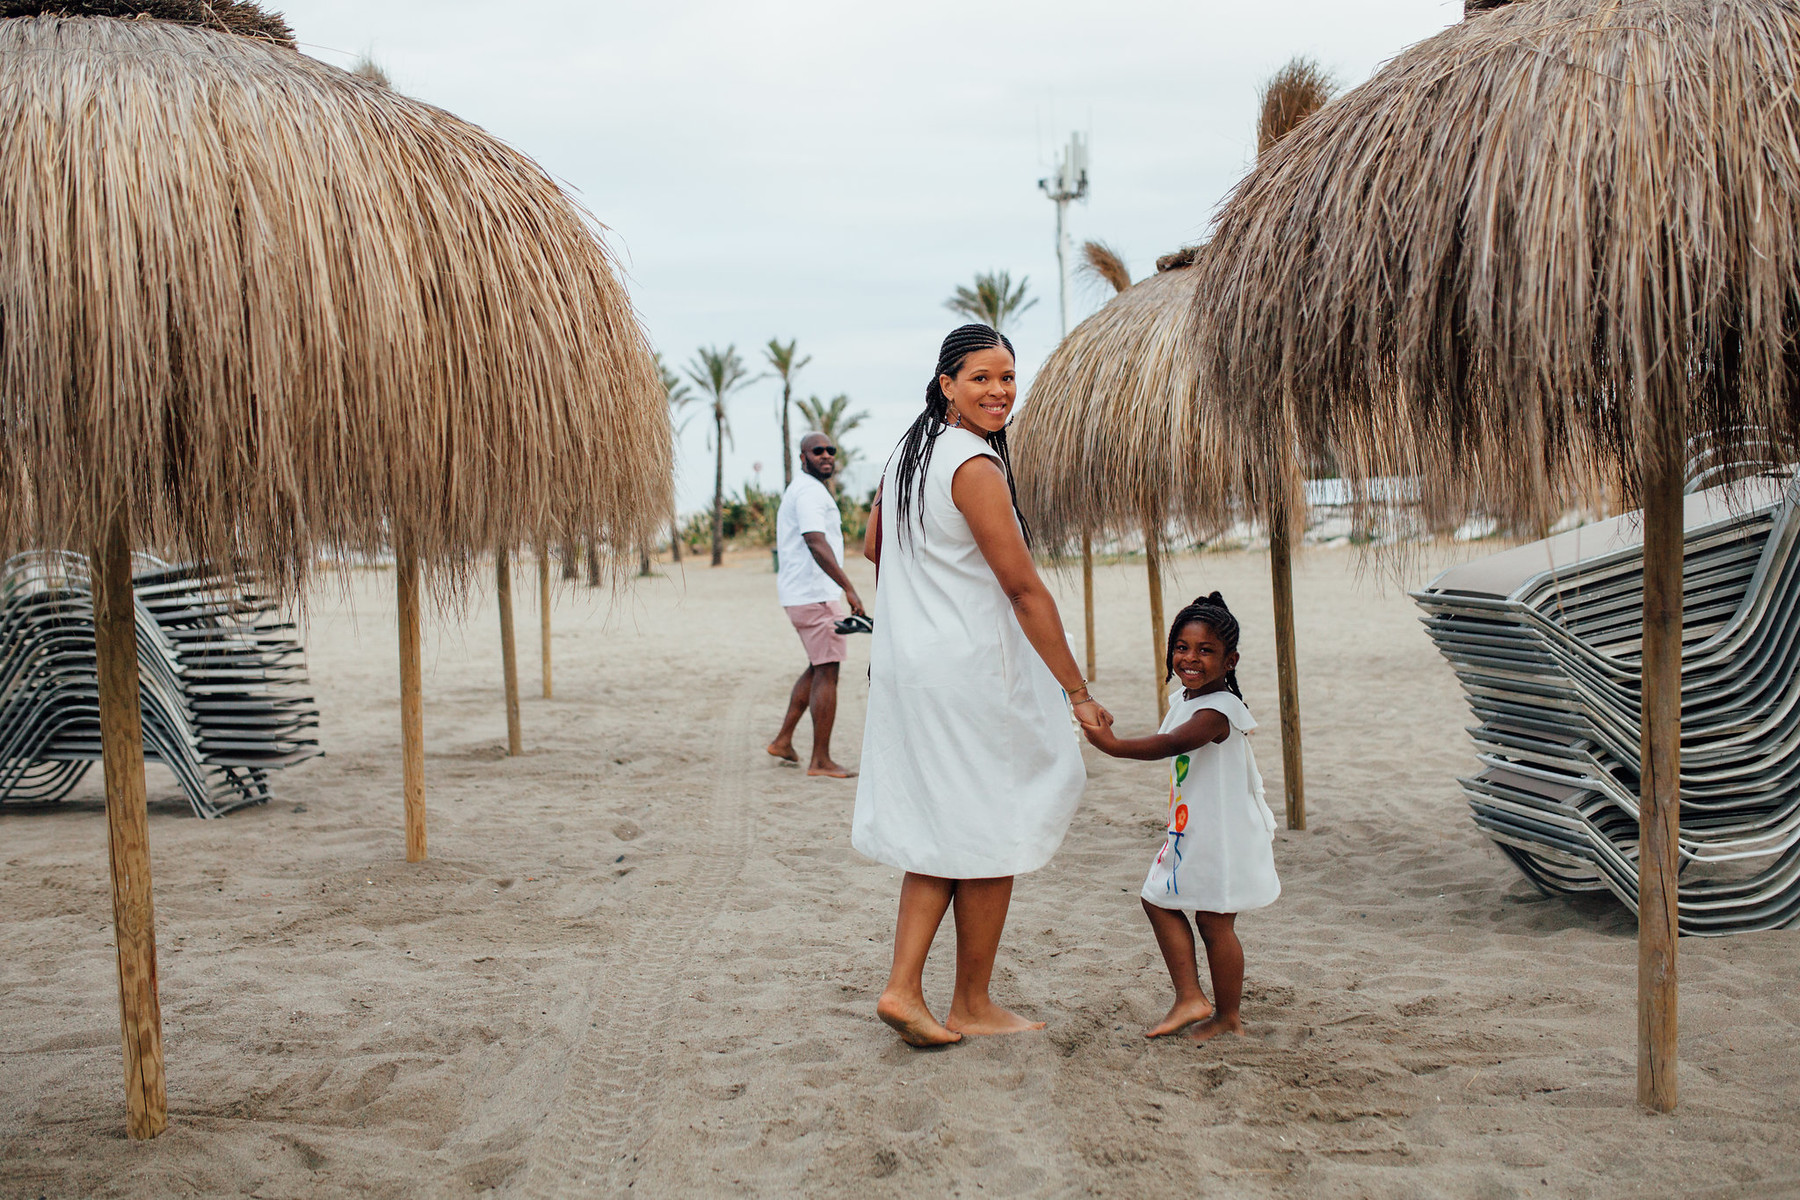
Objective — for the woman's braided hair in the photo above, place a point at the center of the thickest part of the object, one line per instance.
(1208, 610)
(914, 452)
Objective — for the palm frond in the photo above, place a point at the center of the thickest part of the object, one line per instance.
(1292, 94)
(993, 301)
(1101, 262)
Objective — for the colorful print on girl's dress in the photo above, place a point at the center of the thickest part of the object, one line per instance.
(1178, 818)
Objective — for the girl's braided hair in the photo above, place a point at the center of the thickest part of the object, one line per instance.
(1208, 610)
(914, 452)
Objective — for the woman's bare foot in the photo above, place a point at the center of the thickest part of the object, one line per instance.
(783, 751)
(829, 769)
(988, 1018)
(1183, 1014)
(1214, 1025)
(913, 1022)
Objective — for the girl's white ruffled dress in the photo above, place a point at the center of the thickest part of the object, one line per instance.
(1218, 854)
(970, 765)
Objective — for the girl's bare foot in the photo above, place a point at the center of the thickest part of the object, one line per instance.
(913, 1022)
(828, 769)
(1214, 1025)
(989, 1018)
(1183, 1014)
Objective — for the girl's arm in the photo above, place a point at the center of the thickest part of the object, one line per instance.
(981, 495)
(872, 535)
(1206, 726)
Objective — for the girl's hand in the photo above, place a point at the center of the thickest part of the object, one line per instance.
(1091, 715)
(1102, 738)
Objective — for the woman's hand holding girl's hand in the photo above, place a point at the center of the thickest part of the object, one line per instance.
(1092, 716)
(1102, 737)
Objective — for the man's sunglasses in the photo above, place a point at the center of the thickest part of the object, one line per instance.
(831, 450)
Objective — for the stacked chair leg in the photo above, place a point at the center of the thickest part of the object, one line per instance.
(220, 682)
(1546, 641)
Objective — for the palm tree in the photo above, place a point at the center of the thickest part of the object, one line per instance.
(680, 396)
(993, 300)
(718, 373)
(787, 366)
(832, 421)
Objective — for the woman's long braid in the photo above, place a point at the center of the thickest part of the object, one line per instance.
(1211, 611)
(914, 452)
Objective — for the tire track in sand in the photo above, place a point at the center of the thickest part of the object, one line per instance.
(611, 1106)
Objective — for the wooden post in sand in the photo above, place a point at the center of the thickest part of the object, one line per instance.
(1287, 675)
(127, 829)
(1159, 633)
(1659, 784)
(1087, 597)
(509, 651)
(412, 712)
(544, 612)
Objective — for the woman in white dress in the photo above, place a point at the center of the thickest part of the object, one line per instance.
(970, 767)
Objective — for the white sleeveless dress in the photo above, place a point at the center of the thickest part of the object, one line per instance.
(1217, 853)
(970, 766)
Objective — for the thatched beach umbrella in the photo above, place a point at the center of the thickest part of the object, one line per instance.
(1093, 445)
(1108, 409)
(255, 308)
(1520, 263)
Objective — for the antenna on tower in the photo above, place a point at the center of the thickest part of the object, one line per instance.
(1069, 183)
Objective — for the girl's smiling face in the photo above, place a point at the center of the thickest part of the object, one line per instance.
(1200, 659)
(983, 391)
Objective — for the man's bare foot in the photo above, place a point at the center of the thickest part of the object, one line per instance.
(1214, 1025)
(1183, 1014)
(990, 1018)
(784, 751)
(830, 770)
(913, 1022)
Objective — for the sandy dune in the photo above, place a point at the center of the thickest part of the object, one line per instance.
(644, 955)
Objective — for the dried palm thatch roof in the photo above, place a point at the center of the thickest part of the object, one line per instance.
(1101, 262)
(1093, 445)
(1292, 94)
(288, 310)
(226, 16)
(1485, 265)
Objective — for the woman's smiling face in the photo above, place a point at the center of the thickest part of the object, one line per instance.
(984, 390)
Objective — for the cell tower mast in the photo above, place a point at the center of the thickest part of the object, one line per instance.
(1069, 183)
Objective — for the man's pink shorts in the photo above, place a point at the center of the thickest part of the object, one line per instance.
(815, 622)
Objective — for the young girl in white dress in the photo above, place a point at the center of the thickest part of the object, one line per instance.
(1217, 858)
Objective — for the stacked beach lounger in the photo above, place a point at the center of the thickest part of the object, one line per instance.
(220, 682)
(1546, 640)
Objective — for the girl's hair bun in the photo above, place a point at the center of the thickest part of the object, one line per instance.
(1215, 599)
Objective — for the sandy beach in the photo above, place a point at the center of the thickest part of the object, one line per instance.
(644, 957)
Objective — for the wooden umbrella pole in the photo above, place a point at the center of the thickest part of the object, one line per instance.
(412, 712)
(1281, 577)
(509, 651)
(1659, 800)
(1087, 597)
(544, 614)
(127, 829)
(1158, 632)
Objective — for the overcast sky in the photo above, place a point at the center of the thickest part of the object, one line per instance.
(831, 171)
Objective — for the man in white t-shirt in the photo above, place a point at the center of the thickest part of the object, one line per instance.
(809, 546)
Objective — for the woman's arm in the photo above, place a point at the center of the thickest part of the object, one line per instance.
(981, 495)
(1207, 725)
(872, 535)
